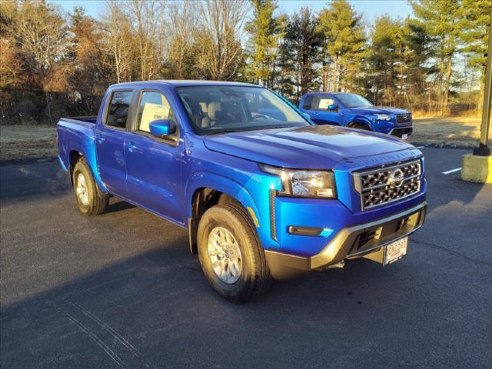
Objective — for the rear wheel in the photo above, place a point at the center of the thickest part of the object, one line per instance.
(90, 200)
(230, 254)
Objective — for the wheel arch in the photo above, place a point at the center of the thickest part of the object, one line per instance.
(358, 121)
(216, 189)
(75, 154)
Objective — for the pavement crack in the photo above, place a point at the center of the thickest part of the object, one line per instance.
(96, 340)
(124, 353)
(452, 252)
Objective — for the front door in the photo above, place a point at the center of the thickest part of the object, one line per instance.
(110, 142)
(321, 113)
(154, 165)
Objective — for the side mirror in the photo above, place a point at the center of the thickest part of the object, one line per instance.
(333, 107)
(160, 128)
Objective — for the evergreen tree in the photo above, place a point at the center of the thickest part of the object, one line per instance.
(419, 86)
(266, 31)
(299, 55)
(385, 64)
(439, 18)
(474, 34)
(344, 44)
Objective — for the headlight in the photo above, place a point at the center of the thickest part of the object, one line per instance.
(304, 183)
(383, 116)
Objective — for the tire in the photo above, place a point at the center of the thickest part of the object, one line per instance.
(361, 126)
(252, 278)
(90, 200)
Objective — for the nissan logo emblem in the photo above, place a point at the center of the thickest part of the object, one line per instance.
(396, 178)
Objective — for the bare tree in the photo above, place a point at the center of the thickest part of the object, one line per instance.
(40, 30)
(184, 20)
(146, 18)
(220, 37)
(120, 41)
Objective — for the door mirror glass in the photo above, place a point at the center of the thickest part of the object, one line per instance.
(160, 128)
(332, 107)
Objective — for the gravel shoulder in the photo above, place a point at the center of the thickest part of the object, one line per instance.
(27, 142)
(33, 142)
(449, 132)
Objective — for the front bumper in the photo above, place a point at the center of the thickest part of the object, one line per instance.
(350, 242)
(400, 131)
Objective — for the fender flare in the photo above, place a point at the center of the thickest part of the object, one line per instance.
(360, 119)
(219, 183)
(89, 153)
(225, 185)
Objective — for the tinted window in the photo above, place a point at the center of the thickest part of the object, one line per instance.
(307, 102)
(215, 109)
(118, 109)
(153, 106)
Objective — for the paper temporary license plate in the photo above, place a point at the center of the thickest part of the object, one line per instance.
(395, 251)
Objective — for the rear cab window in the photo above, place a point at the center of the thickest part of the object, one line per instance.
(119, 106)
(308, 101)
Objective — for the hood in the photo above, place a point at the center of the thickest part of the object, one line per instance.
(377, 110)
(312, 147)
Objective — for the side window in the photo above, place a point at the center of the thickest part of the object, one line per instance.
(153, 106)
(308, 101)
(118, 109)
(325, 102)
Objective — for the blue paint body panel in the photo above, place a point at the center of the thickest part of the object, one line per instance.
(163, 177)
(344, 115)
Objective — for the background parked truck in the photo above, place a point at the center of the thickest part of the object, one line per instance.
(354, 111)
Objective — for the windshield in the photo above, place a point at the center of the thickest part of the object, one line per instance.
(353, 101)
(217, 109)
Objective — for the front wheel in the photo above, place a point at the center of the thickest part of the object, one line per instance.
(230, 254)
(90, 200)
(361, 126)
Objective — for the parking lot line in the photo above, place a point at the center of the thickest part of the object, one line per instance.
(451, 171)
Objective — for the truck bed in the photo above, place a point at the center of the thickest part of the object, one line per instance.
(76, 135)
(84, 119)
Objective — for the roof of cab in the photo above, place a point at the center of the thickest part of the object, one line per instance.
(328, 93)
(183, 83)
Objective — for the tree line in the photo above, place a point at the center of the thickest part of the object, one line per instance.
(428, 61)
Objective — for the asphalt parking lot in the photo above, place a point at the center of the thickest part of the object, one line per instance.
(121, 290)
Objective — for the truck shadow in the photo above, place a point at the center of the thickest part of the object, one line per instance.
(116, 205)
(143, 302)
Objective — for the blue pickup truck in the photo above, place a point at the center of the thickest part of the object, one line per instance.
(263, 192)
(351, 110)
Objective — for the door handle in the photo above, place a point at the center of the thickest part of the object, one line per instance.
(133, 148)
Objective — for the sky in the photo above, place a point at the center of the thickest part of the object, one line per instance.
(371, 9)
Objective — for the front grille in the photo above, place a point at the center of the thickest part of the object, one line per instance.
(404, 118)
(384, 185)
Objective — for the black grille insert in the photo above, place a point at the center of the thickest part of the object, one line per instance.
(384, 185)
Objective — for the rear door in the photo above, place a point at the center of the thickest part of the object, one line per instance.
(154, 164)
(110, 141)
